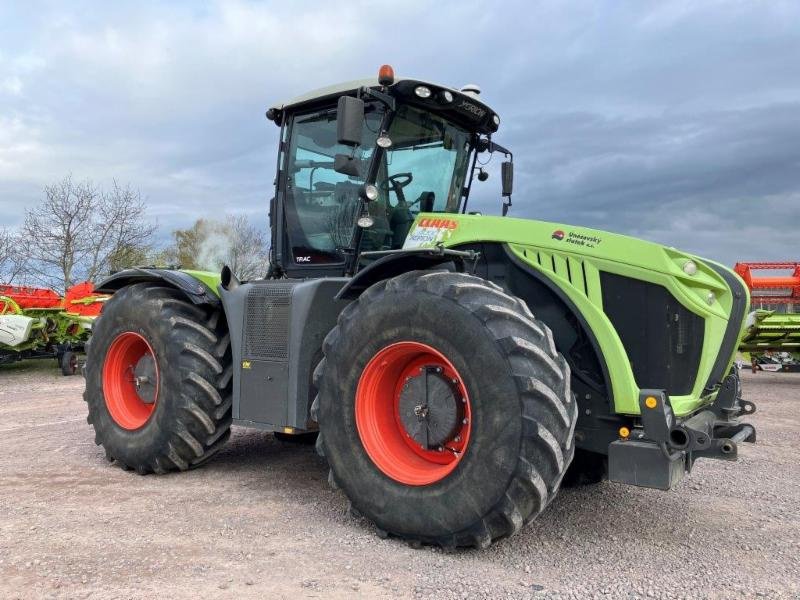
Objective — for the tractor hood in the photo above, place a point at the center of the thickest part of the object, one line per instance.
(598, 272)
(609, 251)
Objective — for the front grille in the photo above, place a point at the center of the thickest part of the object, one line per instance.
(266, 324)
(663, 339)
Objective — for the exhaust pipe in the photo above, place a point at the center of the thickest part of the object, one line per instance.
(228, 279)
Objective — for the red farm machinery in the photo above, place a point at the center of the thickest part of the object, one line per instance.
(39, 323)
(772, 331)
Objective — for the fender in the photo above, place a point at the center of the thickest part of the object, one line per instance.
(391, 263)
(198, 286)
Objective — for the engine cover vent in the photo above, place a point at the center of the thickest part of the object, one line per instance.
(266, 323)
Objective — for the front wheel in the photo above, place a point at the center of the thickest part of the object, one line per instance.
(158, 380)
(445, 411)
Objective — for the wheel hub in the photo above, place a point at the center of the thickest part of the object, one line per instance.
(430, 408)
(144, 379)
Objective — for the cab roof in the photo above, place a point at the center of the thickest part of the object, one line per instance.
(482, 115)
(339, 89)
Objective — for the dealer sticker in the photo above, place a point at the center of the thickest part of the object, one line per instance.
(430, 232)
(578, 239)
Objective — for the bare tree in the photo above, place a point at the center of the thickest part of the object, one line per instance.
(78, 230)
(57, 231)
(120, 235)
(247, 254)
(13, 258)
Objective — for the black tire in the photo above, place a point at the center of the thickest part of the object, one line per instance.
(68, 363)
(587, 468)
(523, 411)
(191, 418)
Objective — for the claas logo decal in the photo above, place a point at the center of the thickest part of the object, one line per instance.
(558, 235)
(438, 223)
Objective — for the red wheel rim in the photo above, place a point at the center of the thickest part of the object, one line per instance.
(126, 395)
(380, 426)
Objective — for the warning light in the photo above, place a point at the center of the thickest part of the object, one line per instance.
(386, 75)
(624, 432)
(650, 402)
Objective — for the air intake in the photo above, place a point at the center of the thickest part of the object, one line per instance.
(266, 323)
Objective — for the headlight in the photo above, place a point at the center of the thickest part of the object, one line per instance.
(711, 298)
(422, 91)
(496, 120)
(366, 222)
(447, 96)
(690, 267)
(370, 192)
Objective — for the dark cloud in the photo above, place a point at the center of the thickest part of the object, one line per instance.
(673, 121)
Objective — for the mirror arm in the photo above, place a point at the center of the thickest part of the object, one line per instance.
(494, 147)
(385, 98)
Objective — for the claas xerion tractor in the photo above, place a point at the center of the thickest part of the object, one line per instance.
(458, 367)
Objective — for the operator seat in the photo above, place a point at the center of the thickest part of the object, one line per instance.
(401, 218)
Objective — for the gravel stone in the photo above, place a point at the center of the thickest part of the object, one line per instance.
(260, 520)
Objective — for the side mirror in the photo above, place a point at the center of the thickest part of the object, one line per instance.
(349, 120)
(507, 175)
(347, 165)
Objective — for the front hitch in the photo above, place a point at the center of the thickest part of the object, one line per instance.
(659, 452)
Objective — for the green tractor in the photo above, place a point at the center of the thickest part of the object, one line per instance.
(458, 368)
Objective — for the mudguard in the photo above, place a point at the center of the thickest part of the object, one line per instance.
(199, 286)
(391, 263)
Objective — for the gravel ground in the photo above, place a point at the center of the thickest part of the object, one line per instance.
(260, 519)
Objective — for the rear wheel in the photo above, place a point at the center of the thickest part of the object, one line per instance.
(445, 411)
(158, 380)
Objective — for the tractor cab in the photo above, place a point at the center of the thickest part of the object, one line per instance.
(359, 161)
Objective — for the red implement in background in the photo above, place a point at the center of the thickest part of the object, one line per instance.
(31, 297)
(771, 290)
(80, 299)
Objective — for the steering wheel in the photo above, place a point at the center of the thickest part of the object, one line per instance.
(397, 182)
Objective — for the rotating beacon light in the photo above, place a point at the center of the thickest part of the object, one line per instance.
(386, 75)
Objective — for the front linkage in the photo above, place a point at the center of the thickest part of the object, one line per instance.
(662, 446)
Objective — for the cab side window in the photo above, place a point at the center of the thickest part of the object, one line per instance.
(321, 204)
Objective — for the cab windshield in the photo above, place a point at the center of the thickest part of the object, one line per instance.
(423, 171)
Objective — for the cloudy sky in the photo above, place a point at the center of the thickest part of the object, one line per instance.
(673, 121)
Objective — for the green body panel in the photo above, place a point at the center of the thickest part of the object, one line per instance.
(209, 278)
(550, 247)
